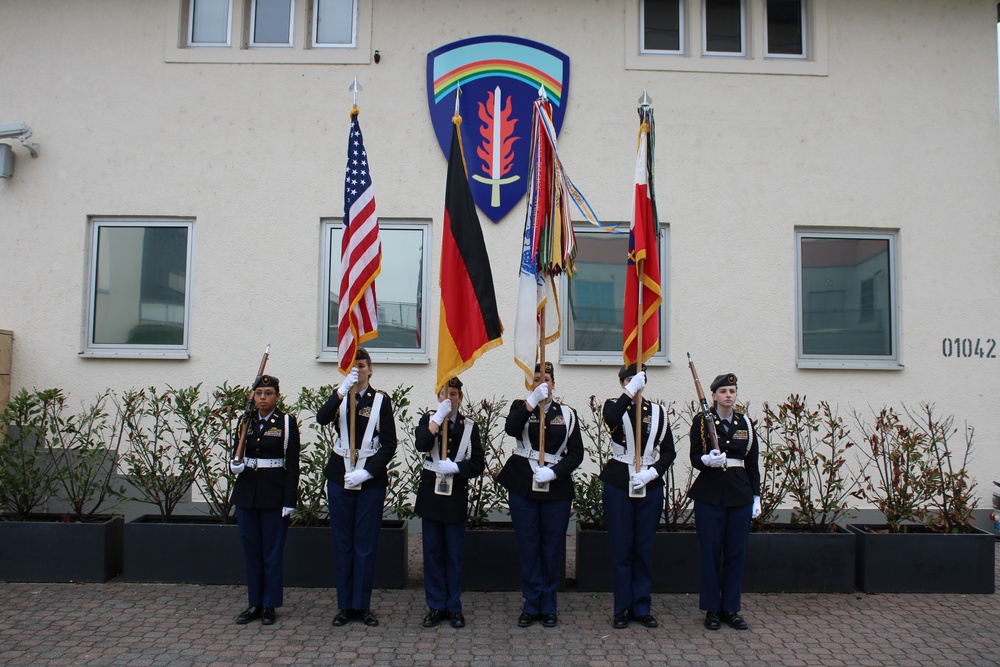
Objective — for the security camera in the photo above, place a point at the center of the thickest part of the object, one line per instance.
(22, 132)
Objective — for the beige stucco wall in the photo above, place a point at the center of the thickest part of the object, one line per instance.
(902, 133)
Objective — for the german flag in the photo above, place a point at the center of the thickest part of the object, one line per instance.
(470, 324)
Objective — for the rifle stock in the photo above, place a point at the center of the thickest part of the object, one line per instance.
(242, 444)
(706, 410)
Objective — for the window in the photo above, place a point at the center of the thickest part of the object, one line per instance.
(591, 302)
(401, 289)
(846, 292)
(333, 23)
(271, 23)
(209, 22)
(140, 286)
(662, 26)
(723, 27)
(784, 29)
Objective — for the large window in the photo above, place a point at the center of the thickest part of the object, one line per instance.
(785, 29)
(592, 300)
(140, 286)
(846, 289)
(662, 26)
(723, 27)
(401, 289)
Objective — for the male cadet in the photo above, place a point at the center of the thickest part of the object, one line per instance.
(357, 492)
(633, 499)
(442, 501)
(265, 494)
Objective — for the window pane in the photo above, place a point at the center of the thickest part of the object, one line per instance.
(723, 26)
(661, 22)
(784, 27)
(334, 22)
(272, 19)
(141, 284)
(846, 296)
(398, 288)
(209, 21)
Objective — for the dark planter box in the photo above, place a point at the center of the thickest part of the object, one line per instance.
(187, 549)
(491, 560)
(49, 550)
(309, 557)
(675, 561)
(789, 560)
(924, 562)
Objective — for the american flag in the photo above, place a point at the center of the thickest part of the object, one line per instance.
(360, 253)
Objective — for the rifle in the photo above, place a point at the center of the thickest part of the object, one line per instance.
(706, 411)
(242, 445)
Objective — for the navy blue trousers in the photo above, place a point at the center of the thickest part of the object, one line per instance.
(444, 548)
(722, 539)
(540, 528)
(262, 535)
(631, 524)
(356, 519)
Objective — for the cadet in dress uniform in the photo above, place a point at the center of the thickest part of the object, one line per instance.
(442, 502)
(632, 522)
(541, 518)
(726, 496)
(265, 493)
(357, 495)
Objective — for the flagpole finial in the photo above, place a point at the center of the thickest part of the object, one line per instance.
(645, 100)
(458, 94)
(542, 94)
(355, 88)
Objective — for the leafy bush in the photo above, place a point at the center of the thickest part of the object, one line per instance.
(486, 496)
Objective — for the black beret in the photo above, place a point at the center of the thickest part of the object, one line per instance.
(724, 380)
(266, 381)
(628, 371)
(548, 368)
(454, 382)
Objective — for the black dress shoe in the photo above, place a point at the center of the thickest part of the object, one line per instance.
(648, 621)
(251, 613)
(712, 621)
(342, 617)
(620, 621)
(368, 618)
(733, 620)
(268, 617)
(525, 620)
(434, 618)
(550, 620)
(457, 619)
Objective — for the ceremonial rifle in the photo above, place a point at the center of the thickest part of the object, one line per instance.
(242, 445)
(709, 423)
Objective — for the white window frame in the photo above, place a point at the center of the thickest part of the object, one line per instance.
(314, 20)
(614, 357)
(803, 26)
(873, 362)
(271, 45)
(92, 349)
(743, 33)
(421, 355)
(209, 45)
(682, 23)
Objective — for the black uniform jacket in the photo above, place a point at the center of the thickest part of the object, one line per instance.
(385, 430)
(516, 475)
(268, 488)
(453, 508)
(726, 487)
(617, 473)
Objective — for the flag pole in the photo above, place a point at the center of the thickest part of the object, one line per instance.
(354, 88)
(544, 404)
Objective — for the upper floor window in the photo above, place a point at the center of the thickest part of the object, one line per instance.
(271, 23)
(210, 22)
(724, 27)
(333, 23)
(401, 289)
(846, 292)
(662, 26)
(785, 29)
(139, 289)
(591, 301)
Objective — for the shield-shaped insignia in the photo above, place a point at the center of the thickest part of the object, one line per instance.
(500, 78)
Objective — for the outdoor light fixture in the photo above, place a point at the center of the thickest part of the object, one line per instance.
(22, 132)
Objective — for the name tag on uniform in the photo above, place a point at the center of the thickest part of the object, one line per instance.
(272, 433)
(741, 435)
(365, 412)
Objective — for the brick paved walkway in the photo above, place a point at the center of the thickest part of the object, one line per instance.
(174, 625)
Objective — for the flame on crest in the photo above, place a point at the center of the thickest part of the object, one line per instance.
(485, 149)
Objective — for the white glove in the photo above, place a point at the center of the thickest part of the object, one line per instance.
(444, 409)
(544, 474)
(755, 512)
(538, 395)
(357, 478)
(637, 382)
(641, 479)
(286, 511)
(447, 467)
(236, 467)
(349, 381)
(714, 459)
